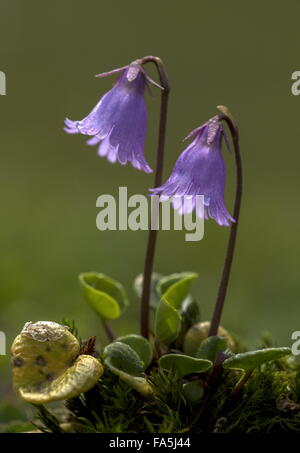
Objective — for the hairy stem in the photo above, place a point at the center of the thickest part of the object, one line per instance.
(150, 252)
(226, 116)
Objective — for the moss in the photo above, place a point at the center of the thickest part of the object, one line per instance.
(269, 403)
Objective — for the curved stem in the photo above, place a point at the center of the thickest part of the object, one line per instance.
(240, 384)
(233, 231)
(149, 259)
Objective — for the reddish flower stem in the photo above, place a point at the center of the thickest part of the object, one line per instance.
(150, 252)
(226, 116)
(108, 330)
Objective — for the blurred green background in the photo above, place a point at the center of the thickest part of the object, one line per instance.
(240, 54)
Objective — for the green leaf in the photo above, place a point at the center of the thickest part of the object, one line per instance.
(141, 346)
(198, 333)
(247, 361)
(122, 357)
(105, 295)
(210, 347)
(123, 361)
(184, 364)
(190, 311)
(175, 288)
(154, 295)
(167, 322)
(193, 391)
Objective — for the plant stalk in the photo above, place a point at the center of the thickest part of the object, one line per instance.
(226, 116)
(240, 384)
(108, 330)
(150, 251)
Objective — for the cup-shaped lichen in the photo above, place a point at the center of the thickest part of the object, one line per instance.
(47, 365)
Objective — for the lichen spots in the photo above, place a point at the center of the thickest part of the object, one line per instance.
(18, 362)
(42, 349)
(53, 369)
(40, 361)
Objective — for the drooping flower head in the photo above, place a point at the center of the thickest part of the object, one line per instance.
(118, 123)
(200, 170)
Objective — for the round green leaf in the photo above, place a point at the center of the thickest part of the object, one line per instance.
(141, 346)
(184, 364)
(120, 356)
(105, 295)
(167, 322)
(247, 361)
(210, 347)
(123, 361)
(193, 391)
(175, 288)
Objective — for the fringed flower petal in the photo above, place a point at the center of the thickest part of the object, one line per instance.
(200, 170)
(118, 123)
